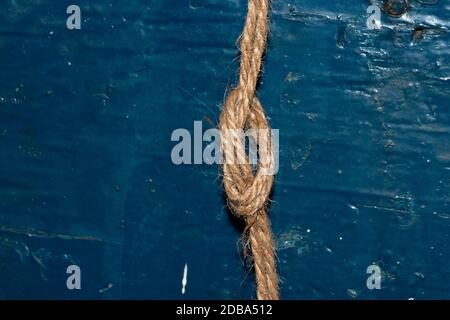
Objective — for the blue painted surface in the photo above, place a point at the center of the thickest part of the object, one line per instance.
(86, 176)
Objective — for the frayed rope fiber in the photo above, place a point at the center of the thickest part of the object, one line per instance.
(248, 192)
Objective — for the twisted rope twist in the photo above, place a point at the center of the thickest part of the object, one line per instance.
(248, 188)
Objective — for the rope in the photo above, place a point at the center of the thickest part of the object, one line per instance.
(247, 189)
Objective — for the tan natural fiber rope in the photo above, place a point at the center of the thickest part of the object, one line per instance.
(248, 192)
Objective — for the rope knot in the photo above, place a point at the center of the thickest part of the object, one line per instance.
(247, 182)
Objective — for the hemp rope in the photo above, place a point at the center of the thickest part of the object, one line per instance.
(248, 192)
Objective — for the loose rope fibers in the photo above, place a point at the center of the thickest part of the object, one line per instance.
(248, 190)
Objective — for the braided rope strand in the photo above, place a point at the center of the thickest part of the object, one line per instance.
(248, 192)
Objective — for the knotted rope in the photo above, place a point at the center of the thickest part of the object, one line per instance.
(248, 189)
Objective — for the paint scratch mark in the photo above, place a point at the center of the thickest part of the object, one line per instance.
(30, 232)
(109, 286)
(184, 281)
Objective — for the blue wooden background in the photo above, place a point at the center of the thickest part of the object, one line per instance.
(86, 176)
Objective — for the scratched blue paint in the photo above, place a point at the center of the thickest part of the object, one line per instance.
(86, 176)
